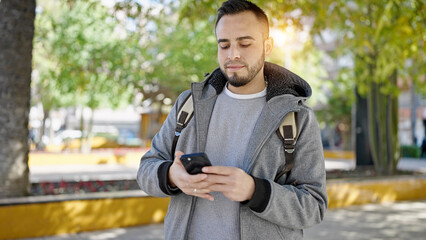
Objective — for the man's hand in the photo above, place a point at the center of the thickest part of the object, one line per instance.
(233, 182)
(189, 184)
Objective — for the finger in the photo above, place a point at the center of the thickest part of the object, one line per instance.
(178, 154)
(202, 193)
(193, 179)
(220, 188)
(221, 170)
(206, 196)
(190, 181)
(199, 185)
(198, 191)
(217, 179)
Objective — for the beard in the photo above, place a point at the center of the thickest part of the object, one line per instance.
(236, 80)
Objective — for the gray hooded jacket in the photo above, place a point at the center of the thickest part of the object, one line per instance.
(277, 210)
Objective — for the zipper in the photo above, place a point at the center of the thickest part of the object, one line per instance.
(194, 199)
(239, 217)
(279, 231)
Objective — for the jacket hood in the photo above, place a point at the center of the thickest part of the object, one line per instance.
(280, 81)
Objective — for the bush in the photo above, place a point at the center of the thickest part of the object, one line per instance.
(411, 151)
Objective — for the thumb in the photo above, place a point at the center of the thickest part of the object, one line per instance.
(177, 155)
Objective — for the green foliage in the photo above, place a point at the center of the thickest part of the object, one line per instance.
(167, 54)
(181, 54)
(410, 151)
(340, 100)
(78, 55)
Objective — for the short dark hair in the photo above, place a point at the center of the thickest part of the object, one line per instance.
(232, 7)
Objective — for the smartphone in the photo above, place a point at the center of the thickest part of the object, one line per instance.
(194, 162)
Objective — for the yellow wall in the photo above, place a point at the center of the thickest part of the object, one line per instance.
(45, 219)
(344, 193)
(108, 157)
(329, 154)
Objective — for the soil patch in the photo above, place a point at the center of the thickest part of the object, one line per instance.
(363, 172)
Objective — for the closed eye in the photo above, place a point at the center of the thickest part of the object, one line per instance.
(223, 46)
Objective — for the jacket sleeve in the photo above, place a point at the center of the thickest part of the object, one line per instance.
(304, 204)
(152, 175)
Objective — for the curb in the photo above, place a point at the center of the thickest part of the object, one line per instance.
(343, 193)
(40, 216)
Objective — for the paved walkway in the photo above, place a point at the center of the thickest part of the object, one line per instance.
(396, 221)
(402, 221)
(103, 172)
(412, 164)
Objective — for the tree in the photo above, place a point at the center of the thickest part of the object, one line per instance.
(384, 39)
(89, 54)
(168, 53)
(79, 56)
(16, 36)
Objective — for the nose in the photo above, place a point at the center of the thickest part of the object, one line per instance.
(233, 53)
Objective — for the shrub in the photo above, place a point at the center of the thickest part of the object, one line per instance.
(411, 151)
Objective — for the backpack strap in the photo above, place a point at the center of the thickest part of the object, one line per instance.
(287, 132)
(185, 114)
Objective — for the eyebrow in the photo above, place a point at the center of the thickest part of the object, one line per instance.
(238, 39)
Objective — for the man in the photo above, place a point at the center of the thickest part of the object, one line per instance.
(237, 110)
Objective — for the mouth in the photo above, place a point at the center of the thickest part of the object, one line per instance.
(234, 68)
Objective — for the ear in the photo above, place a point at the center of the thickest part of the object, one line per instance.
(268, 45)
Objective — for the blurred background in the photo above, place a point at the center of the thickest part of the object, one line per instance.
(86, 84)
(106, 73)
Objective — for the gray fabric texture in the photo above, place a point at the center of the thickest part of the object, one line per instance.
(230, 128)
(290, 208)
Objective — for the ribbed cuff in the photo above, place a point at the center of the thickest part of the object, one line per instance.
(163, 179)
(261, 195)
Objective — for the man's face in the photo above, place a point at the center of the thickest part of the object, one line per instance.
(241, 50)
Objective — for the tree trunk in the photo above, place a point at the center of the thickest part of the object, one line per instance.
(383, 128)
(16, 38)
(40, 144)
(82, 137)
(362, 147)
(392, 124)
(90, 131)
(414, 105)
